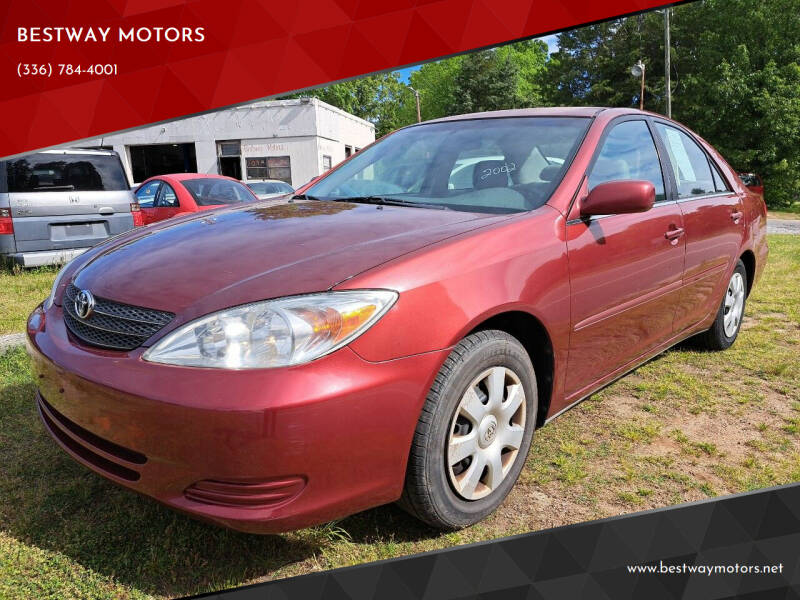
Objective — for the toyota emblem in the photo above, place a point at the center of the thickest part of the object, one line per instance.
(84, 304)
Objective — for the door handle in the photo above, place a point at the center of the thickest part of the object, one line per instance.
(106, 210)
(737, 216)
(673, 234)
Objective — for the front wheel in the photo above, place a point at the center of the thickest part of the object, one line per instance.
(474, 432)
(728, 321)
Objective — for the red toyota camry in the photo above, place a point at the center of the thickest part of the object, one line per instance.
(400, 330)
(166, 196)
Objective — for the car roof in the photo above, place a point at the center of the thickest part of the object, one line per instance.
(185, 176)
(548, 111)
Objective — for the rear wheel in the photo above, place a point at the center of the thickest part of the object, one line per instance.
(728, 321)
(474, 432)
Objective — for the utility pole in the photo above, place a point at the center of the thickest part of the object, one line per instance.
(638, 70)
(416, 96)
(667, 64)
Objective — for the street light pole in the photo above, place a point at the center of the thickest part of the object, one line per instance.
(416, 96)
(638, 70)
(667, 64)
(641, 95)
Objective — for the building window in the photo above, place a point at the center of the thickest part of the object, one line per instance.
(230, 148)
(229, 158)
(269, 167)
(348, 151)
(159, 159)
(327, 163)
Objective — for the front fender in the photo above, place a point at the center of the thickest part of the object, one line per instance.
(448, 289)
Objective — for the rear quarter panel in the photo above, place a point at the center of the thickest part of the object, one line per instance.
(755, 214)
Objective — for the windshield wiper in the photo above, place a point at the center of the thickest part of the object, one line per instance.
(390, 202)
(304, 197)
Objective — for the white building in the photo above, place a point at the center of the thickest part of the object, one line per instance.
(290, 140)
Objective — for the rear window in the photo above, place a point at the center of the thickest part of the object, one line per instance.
(63, 173)
(210, 191)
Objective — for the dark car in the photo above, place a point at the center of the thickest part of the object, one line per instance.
(753, 182)
(395, 333)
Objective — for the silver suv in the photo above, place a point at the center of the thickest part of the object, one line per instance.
(57, 203)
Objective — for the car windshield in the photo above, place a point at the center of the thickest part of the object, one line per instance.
(209, 191)
(477, 165)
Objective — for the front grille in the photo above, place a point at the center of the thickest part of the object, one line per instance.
(111, 324)
(98, 452)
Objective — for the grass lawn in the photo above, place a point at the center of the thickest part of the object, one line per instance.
(20, 292)
(782, 214)
(790, 212)
(687, 425)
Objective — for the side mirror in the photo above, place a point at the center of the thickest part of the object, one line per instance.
(618, 197)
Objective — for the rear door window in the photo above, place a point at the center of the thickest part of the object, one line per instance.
(628, 154)
(690, 165)
(65, 173)
(166, 197)
(719, 182)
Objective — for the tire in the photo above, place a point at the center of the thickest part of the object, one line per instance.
(728, 321)
(442, 494)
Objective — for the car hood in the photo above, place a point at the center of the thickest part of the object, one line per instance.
(221, 258)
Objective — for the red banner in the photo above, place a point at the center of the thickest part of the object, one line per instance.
(73, 70)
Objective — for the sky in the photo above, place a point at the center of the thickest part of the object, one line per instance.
(550, 40)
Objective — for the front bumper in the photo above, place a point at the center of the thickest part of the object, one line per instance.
(272, 450)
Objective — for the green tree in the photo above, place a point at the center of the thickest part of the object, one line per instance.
(530, 57)
(446, 86)
(740, 86)
(487, 80)
(435, 82)
(375, 98)
(592, 64)
(736, 78)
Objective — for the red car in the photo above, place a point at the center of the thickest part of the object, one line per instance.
(753, 182)
(166, 196)
(400, 330)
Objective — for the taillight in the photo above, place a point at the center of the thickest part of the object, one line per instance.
(6, 225)
(136, 213)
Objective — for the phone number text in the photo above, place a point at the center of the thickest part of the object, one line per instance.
(61, 69)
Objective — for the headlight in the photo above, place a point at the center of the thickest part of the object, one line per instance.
(51, 298)
(274, 333)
